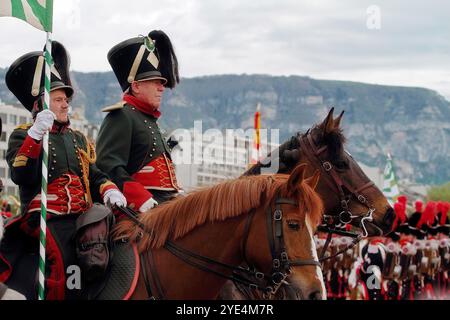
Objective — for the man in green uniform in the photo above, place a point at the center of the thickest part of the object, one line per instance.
(72, 173)
(130, 146)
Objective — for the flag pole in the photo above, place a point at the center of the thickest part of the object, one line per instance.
(43, 220)
(39, 14)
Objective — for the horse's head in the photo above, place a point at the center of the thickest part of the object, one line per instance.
(266, 221)
(291, 218)
(347, 192)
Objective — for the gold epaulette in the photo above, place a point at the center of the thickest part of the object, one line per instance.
(24, 126)
(20, 161)
(116, 106)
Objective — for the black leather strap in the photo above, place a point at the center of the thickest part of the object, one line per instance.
(154, 274)
(143, 260)
(270, 232)
(248, 224)
(193, 260)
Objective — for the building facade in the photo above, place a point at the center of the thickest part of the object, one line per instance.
(203, 159)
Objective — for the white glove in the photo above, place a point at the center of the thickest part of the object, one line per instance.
(42, 124)
(147, 205)
(113, 197)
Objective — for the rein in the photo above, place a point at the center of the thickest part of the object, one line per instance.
(333, 179)
(250, 277)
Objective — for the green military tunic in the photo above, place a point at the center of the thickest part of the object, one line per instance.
(24, 158)
(128, 141)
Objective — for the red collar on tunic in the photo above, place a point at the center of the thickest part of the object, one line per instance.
(141, 106)
(59, 127)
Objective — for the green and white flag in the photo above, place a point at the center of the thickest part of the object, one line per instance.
(390, 186)
(38, 13)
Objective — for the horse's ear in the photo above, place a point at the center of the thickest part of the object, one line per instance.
(328, 124)
(313, 180)
(337, 121)
(296, 177)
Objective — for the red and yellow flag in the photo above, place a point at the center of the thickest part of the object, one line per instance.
(257, 138)
(257, 127)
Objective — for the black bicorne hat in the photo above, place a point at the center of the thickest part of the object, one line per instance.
(25, 76)
(145, 58)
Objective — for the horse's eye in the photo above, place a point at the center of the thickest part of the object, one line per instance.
(341, 165)
(294, 225)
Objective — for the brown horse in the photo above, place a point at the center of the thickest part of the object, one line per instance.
(195, 242)
(349, 196)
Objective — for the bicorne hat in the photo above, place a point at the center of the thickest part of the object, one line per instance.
(25, 76)
(145, 58)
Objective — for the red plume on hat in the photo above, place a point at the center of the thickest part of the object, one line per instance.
(439, 206)
(428, 214)
(445, 206)
(419, 206)
(400, 214)
(402, 199)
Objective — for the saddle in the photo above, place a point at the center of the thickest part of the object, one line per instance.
(122, 275)
(19, 266)
(77, 251)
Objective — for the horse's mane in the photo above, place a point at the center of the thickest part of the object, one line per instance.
(334, 140)
(174, 219)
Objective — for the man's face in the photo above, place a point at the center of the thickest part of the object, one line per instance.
(59, 105)
(149, 91)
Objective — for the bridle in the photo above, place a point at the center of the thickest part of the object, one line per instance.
(333, 179)
(267, 283)
(281, 265)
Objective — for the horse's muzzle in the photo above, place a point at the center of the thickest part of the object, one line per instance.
(388, 220)
(382, 225)
(316, 295)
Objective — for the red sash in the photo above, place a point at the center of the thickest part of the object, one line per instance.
(158, 174)
(65, 195)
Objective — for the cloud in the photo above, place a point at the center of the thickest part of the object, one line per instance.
(321, 39)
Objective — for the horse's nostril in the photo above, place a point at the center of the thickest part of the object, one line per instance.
(315, 295)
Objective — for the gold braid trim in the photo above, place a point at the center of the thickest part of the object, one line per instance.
(20, 161)
(87, 158)
(24, 126)
(106, 184)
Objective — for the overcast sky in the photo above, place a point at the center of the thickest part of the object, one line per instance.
(385, 42)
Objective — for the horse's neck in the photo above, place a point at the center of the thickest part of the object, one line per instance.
(219, 241)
